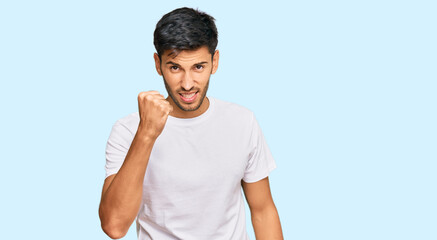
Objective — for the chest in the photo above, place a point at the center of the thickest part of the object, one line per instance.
(198, 158)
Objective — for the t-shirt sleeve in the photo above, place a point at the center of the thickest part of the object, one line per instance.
(118, 145)
(261, 161)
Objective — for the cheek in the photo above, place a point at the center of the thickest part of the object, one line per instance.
(171, 78)
(203, 76)
(170, 81)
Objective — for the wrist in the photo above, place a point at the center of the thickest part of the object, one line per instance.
(146, 133)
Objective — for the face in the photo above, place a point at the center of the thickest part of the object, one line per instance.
(186, 78)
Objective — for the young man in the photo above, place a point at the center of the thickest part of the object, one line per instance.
(179, 163)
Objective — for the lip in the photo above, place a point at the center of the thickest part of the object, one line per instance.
(188, 100)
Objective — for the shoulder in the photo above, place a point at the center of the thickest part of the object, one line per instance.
(129, 122)
(232, 110)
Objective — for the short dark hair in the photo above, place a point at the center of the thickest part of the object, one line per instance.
(185, 29)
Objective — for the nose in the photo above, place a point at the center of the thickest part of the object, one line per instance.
(187, 82)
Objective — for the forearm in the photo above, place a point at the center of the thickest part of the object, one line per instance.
(122, 199)
(266, 224)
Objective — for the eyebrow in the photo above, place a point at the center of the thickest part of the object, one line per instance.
(200, 63)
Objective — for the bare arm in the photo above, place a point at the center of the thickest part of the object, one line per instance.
(122, 192)
(265, 218)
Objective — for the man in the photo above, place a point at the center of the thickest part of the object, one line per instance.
(179, 163)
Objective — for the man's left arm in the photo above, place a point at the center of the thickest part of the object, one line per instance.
(265, 218)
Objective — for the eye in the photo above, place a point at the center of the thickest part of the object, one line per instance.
(174, 68)
(199, 67)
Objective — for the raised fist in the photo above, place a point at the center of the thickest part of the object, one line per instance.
(153, 109)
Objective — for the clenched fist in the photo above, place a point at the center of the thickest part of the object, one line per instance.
(153, 110)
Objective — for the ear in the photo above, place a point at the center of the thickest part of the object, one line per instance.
(215, 61)
(157, 64)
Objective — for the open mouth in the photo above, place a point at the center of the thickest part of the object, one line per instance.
(188, 97)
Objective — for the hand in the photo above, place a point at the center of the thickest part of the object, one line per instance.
(153, 110)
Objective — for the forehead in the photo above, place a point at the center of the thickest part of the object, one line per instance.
(201, 54)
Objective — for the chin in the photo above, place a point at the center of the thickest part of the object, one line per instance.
(189, 107)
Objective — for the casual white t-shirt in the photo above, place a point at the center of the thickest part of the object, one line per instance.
(192, 185)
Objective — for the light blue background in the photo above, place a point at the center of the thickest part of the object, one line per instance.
(345, 92)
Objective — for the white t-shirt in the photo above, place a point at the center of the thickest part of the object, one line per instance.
(192, 185)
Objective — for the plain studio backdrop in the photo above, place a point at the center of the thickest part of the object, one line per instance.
(345, 92)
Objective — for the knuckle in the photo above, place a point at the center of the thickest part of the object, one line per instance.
(149, 97)
(156, 101)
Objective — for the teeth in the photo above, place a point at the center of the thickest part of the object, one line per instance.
(188, 95)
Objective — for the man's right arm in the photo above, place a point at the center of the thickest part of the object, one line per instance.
(122, 192)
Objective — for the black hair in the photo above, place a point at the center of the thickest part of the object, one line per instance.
(185, 29)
